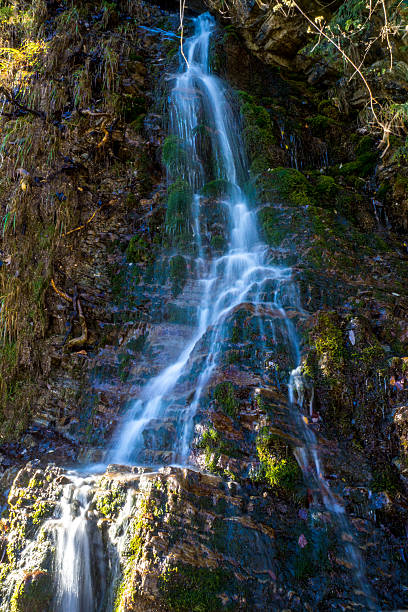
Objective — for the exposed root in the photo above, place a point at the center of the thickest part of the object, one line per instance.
(83, 338)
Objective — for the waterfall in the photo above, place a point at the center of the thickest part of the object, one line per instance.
(243, 274)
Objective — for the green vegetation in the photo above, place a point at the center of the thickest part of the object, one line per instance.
(281, 472)
(214, 446)
(34, 594)
(224, 395)
(216, 188)
(178, 273)
(174, 154)
(178, 214)
(258, 131)
(186, 588)
(138, 250)
(287, 184)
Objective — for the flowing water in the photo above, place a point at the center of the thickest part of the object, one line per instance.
(242, 275)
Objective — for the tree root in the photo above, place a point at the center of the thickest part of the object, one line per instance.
(77, 310)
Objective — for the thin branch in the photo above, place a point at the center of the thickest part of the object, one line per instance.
(10, 98)
(181, 28)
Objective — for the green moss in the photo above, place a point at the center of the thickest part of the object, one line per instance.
(138, 250)
(363, 166)
(187, 588)
(274, 229)
(178, 214)
(258, 130)
(218, 242)
(326, 187)
(224, 395)
(34, 594)
(42, 511)
(319, 124)
(287, 184)
(174, 155)
(329, 343)
(386, 478)
(214, 446)
(133, 107)
(283, 473)
(110, 503)
(217, 188)
(178, 273)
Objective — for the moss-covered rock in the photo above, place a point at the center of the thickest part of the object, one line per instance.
(178, 273)
(185, 588)
(178, 213)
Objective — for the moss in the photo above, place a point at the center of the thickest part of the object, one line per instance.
(213, 446)
(386, 478)
(186, 588)
(363, 166)
(178, 273)
(110, 503)
(178, 213)
(174, 155)
(329, 343)
(217, 188)
(42, 511)
(218, 242)
(326, 187)
(34, 594)
(288, 184)
(138, 250)
(280, 472)
(319, 124)
(274, 229)
(258, 130)
(224, 395)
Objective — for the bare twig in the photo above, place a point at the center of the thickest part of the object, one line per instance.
(10, 98)
(181, 28)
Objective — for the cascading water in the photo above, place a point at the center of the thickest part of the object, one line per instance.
(238, 276)
(241, 275)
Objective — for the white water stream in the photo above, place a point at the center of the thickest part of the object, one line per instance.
(241, 275)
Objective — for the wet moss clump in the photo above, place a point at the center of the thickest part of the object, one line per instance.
(224, 395)
(326, 187)
(329, 344)
(34, 594)
(217, 188)
(287, 184)
(178, 213)
(258, 132)
(138, 250)
(178, 274)
(278, 470)
(275, 228)
(174, 155)
(214, 446)
(185, 588)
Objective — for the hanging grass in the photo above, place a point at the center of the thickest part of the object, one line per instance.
(174, 155)
(178, 214)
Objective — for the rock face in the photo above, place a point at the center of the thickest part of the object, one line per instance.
(244, 529)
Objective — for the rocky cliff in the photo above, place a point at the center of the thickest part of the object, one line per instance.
(97, 298)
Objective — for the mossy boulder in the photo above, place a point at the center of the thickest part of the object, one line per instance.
(33, 594)
(287, 185)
